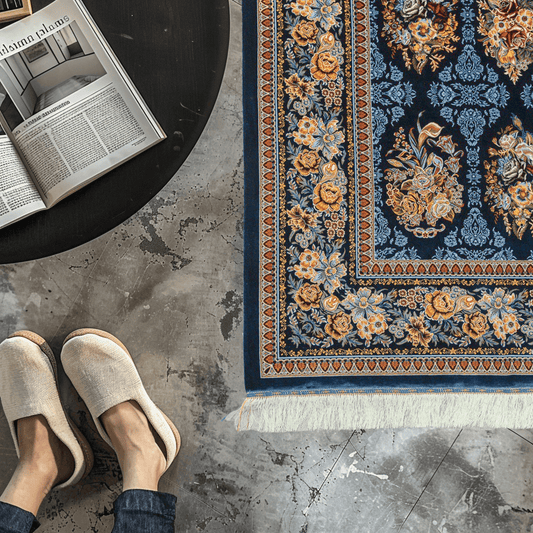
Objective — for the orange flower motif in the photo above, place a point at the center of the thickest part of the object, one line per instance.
(377, 324)
(308, 296)
(339, 325)
(305, 33)
(440, 207)
(301, 219)
(525, 18)
(417, 331)
(522, 193)
(328, 197)
(409, 205)
(307, 126)
(301, 7)
(439, 305)
(475, 325)
(510, 324)
(324, 66)
(307, 162)
(422, 30)
(304, 139)
(304, 271)
(298, 88)
(515, 38)
(505, 8)
(309, 258)
(364, 329)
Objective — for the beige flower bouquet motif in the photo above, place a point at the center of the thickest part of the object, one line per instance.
(509, 176)
(420, 30)
(507, 30)
(423, 190)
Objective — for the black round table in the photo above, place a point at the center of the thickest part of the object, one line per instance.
(175, 52)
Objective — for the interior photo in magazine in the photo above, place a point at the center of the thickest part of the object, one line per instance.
(8, 109)
(7, 5)
(52, 69)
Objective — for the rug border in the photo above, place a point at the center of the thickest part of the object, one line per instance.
(254, 383)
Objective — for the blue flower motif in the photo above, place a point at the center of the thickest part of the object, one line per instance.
(498, 303)
(468, 15)
(499, 240)
(378, 64)
(382, 231)
(396, 74)
(327, 138)
(473, 176)
(471, 123)
(492, 75)
(504, 255)
(396, 93)
(363, 304)
(379, 121)
(497, 95)
(447, 114)
(451, 239)
(441, 94)
(526, 96)
(469, 95)
(474, 230)
(324, 12)
(400, 239)
(469, 35)
(446, 74)
(329, 271)
(397, 113)
(494, 115)
(469, 65)
(474, 196)
(472, 156)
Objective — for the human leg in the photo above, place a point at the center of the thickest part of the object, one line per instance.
(145, 440)
(51, 450)
(44, 462)
(141, 455)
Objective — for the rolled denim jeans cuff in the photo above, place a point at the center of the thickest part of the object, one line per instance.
(147, 501)
(13, 519)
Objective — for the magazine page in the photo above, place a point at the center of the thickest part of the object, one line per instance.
(19, 196)
(72, 111)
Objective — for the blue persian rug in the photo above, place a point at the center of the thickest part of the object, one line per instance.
(389, 214)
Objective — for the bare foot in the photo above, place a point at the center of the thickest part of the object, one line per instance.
(140, 451)
(44, 463)
(42, 451)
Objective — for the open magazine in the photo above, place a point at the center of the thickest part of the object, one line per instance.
(69, 111)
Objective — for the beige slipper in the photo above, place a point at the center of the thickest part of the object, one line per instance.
(104, 374)
(29, 386)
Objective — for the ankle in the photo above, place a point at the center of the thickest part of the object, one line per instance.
(141, 468)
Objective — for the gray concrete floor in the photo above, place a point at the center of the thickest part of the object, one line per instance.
(169, 284)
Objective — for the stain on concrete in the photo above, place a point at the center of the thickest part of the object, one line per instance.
(153, 243)
(232, 303)
(208, 381)
(277, 458)
(11, 314)
(458, 496)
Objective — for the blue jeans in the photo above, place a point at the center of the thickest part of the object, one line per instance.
(135, 510)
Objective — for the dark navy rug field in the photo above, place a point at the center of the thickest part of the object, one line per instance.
(389, 213)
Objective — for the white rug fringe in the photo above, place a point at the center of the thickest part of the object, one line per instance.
(378, 410)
